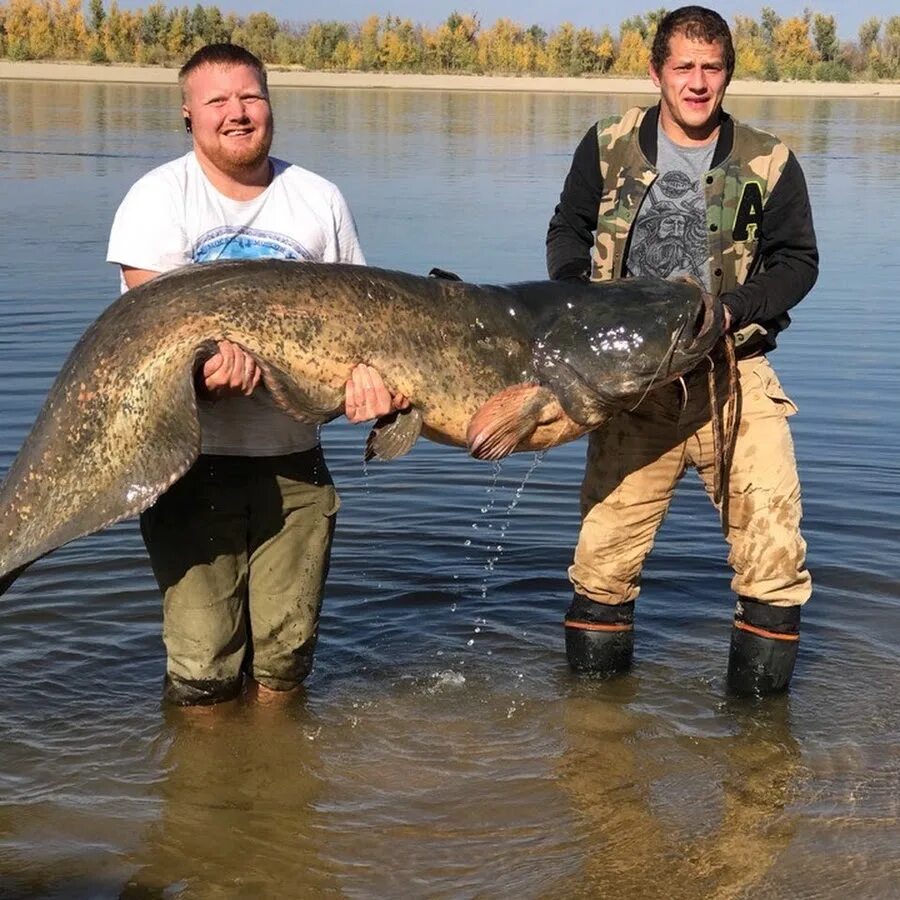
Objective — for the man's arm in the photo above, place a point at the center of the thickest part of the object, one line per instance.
(570, 236)
(346, 237)
(135, 277)
(787, 247)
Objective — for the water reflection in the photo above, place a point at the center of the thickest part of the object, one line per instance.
(239, 789)
(677, 815)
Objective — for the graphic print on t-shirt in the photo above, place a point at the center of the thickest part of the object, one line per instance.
(670, 233)
(247, 243)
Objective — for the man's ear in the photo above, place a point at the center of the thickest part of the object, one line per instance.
(186, 114)
(654, 77)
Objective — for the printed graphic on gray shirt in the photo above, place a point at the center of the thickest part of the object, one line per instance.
(669, 237)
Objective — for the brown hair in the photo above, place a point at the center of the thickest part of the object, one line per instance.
(697, 23)
(222, 55)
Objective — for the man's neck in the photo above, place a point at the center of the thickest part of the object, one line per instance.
(690, 137)
(244, 184)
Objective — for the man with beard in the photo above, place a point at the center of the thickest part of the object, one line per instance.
(681, 188)
(240, 545)
(666, 239)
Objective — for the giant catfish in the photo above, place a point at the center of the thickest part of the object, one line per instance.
(495, 369)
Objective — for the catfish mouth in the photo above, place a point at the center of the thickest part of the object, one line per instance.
(691, 342)
(584, 399)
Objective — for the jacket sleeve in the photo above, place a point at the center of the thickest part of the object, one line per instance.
(570, 235)
(788, 256)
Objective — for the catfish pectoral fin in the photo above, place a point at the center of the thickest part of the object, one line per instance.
(559, 429)
(508, 419)
(394, 434)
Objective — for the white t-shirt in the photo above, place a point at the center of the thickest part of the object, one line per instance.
(174, 216)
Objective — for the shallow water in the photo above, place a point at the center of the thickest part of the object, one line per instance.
(441, 747)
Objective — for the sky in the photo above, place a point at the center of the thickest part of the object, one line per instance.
(849, 14)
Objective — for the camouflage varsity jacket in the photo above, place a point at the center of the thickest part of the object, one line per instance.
(762, 246)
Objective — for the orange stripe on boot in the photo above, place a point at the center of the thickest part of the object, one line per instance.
(599, 626)
(761, 632)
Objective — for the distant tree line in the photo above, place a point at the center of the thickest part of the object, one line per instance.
(771, 48)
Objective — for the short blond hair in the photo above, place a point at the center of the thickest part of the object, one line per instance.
(222, 55)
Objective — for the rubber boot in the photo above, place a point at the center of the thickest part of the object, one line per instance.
(599, 637)
(764, 643)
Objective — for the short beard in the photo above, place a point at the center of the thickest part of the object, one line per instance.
(246, 160)
(661, 256)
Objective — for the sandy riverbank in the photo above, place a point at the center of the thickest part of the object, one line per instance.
(47, 71)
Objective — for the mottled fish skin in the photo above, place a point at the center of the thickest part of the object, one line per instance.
(120, 426)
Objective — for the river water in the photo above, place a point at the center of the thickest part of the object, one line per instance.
(441, 747)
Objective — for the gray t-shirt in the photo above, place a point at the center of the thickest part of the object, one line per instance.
(670, 237)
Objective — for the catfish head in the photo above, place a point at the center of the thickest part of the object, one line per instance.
(602, 352)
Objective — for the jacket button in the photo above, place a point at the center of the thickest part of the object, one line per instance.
(709, 179)
(713, 227)
(718, 273)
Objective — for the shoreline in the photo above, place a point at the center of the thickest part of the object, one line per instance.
(127, 74)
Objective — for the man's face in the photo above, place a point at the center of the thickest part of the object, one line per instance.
(671, 227)
(692, 84)
(231, 119)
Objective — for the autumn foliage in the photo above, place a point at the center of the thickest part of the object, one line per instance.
(802, 47)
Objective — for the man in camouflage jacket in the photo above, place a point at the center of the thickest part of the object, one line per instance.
(682, 189)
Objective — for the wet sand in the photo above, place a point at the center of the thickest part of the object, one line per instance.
(281, 77)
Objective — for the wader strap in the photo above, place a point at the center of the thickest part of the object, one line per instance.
(724, 434)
